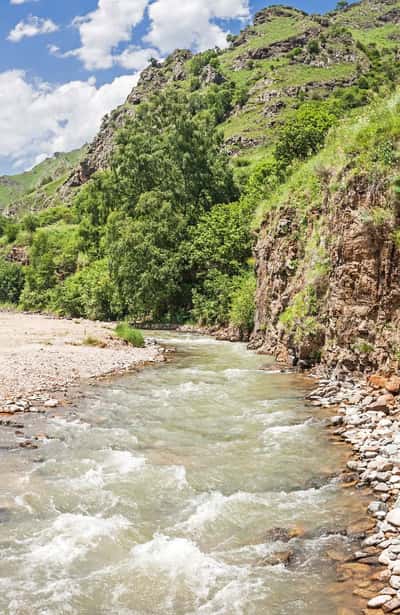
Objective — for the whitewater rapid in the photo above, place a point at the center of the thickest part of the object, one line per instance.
(158, 496)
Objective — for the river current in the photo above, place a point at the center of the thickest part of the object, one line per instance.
(164, 492)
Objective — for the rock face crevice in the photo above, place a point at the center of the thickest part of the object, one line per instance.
(354, 319)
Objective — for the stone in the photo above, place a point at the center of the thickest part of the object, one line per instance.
(393, 385)
(377, 381)
(381, 488)
(391, 606)
(393, 517)
(279, 557)
(378, 601)
(395, 581)
(361, 527)
(51, 403)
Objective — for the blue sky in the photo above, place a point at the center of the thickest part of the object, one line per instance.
(65, 63)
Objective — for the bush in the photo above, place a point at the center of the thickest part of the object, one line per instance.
(212, 302)
(130, 335)
(94, 341)
(11, 282)
(313, 47)
(89, 293)
(304, 132)
(243, 303)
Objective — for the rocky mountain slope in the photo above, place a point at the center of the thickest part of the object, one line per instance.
(283, 57)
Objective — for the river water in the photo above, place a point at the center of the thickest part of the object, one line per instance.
(159, 495)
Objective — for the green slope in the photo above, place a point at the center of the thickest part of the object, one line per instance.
(42, 180)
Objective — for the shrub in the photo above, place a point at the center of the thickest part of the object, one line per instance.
(130, 335)
(304, 132)
(212, 302)
(93, 341)
(11, 282)
(89, 293)
(243, 303)
(313, 47)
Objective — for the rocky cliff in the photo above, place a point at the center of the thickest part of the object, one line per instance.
(328, 253)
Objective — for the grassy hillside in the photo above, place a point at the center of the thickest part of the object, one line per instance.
(285, 58)
(33, 188)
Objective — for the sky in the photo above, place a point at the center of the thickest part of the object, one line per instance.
(64, 64)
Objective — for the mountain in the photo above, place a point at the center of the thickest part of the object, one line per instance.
(36, 187)
(278, 155)
(283, 57)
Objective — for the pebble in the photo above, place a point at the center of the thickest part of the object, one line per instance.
(368, 419)
(378, 601)
(51, 403)
(393, 517)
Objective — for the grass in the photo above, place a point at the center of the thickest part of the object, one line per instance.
(278, 29)
(384, 36)
(19, 186)
(94, 341)
(129, 335)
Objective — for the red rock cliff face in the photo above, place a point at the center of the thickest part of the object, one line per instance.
(347, 313)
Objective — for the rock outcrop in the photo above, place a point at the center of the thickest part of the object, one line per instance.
(153, 79)
(328, 285)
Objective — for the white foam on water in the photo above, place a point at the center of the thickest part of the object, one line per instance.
(209, 507)
(236, 373)
(190, 387)
(234, 598)
(181, 560)
(276, 436)
(116, 464)
(72, 536)
(178, 476)
(122, 462)
(63, 423)
(21, 502)
(51, 598)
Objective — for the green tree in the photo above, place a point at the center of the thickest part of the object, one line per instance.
(145, 257)
(304, 132)
(11, 281)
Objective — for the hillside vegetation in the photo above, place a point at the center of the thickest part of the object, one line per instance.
(35, 189)
(267, 141)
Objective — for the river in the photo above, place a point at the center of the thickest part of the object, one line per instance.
(158, 496)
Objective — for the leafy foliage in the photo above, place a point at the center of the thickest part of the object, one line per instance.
(11, 282)
(130, 335)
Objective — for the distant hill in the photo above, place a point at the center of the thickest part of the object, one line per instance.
(33, 188)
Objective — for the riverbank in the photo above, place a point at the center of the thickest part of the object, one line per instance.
(44, 360)
(369, 420)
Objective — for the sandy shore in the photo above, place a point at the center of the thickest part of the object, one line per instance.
(41, 354)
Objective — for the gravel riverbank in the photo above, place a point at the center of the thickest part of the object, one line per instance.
(43, 360)
(369, 419)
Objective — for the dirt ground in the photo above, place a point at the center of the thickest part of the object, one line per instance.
(43, 354)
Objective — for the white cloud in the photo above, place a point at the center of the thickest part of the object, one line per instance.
(103, 29)
(37, 119)
(191, 24)
(136, 58)
(174, 23)
(32, 26)
(22, 1)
